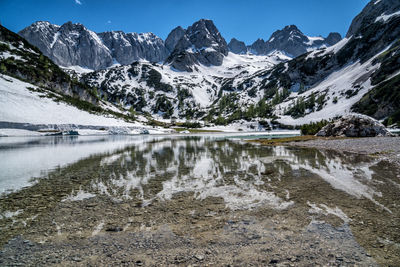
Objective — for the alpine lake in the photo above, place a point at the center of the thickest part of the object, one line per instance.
(196, 200)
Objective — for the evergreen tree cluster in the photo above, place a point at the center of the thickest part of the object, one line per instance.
(261, 109)
(313, 127)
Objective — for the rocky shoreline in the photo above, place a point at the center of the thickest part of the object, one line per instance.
(385, 148)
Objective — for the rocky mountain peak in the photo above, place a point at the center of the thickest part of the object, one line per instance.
(290, 30)
(201, 43)
(73, 44)
(373, 12)
(258, 47)
(203, 33)
(333, 38)
(237, 47)
(291, 41)
(289, 34)
(173, 38)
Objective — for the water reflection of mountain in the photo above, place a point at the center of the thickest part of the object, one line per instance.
(242, 174)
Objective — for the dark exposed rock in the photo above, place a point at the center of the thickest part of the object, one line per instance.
(333, 38)
(354, 125)
(369, 14)
(114, 229)
(202, 43)
(237, 47)
(292, 41)
(173, 38)
(258, 47)
(129, 47)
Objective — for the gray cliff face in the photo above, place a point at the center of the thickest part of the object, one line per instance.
(258, 47)
(333, 38)
(38, 69)
(41, 34)
(73, 44)
(371, 12)
(292, 41)
(69, 45)
(129, 47)
(237, 47)
(202, 43)
(173, 38)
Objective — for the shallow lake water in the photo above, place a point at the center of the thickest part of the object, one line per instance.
(193, 200)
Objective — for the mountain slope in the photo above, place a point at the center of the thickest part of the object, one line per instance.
(320, 84)
(23, 103)
(200, 79)
(36, 77)
(338, 74)
(23, 61)
(162, 91)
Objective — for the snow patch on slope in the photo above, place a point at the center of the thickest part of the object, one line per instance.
(385, 18)
(334, 86)
(332, 49)
(19, 104)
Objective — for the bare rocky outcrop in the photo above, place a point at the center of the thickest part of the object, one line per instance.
(126, 48)
(72, 44)
(68, 45)
(173, 38)
(237, 47)
(293, 42)
(202, 43)
(354, 125)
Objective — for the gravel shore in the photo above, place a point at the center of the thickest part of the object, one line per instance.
(387, 148)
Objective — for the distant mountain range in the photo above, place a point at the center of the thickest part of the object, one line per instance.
(290, 79)
(74, 45)
(289, 40)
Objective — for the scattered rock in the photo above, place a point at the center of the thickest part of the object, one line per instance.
(199, 257)
(114, 229)
(273, 261)
(77, 259)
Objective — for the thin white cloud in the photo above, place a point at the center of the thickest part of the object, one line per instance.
(109, 22)
(78, 2)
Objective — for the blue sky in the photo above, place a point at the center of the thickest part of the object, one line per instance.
(245, 20)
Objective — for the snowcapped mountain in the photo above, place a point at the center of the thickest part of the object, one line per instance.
(35, 90)
(24, 61)
(289, 79)
(69, 44)
(160, 90)
(289, 40)
(360, 73)
(72, 44)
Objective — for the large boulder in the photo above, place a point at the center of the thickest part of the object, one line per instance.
(354, 125)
